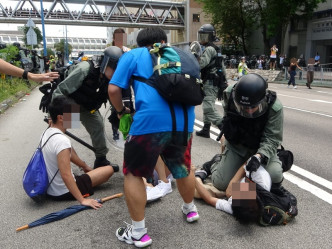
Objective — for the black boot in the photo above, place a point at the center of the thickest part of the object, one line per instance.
(207, 165)
(205, 132)
(102, 161)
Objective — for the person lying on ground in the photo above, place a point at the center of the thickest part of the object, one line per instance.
(12, 70)
(58, 154)
(240, 192)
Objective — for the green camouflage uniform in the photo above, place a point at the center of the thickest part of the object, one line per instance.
(210, 114)
(92, 121)
(235, 155)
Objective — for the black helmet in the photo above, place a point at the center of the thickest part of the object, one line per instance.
(207, 33)
(80, 54)
(110, 58)
(249, 96)
(2, 45)
(17, 44)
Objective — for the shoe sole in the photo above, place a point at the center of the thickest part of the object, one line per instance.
(146, 244)
(193, 219)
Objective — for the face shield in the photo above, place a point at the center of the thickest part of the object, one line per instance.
(251, 111)
(107, 62)
(203, 37)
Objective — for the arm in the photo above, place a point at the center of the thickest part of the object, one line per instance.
(74, 80)
(78, 161)
(115, 95)
(206, 195)
(236, 178)
(272, 135)
(9, 69)
(63, 158)
(206, 57)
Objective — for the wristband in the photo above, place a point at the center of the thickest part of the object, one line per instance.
(25, 75)
(122, 111)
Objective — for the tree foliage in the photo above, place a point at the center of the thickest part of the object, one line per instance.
(49, 52)
(235, 20)
(25, 30)
(61, 47)
(9, 54)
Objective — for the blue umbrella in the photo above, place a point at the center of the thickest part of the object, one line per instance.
(63, 213)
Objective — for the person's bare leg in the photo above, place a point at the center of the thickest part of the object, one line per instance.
(100, 175)
(186, 187)
(135, 194)
(160, 168)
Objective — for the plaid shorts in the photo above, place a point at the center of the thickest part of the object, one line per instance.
(142, 151)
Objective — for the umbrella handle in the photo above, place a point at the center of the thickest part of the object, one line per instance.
(110, 197)
(22, 228)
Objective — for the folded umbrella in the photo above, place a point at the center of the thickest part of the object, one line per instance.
(125, 123)
(63, 213)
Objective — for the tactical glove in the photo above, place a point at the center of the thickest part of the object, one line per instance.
(44, 102)
(253, 163)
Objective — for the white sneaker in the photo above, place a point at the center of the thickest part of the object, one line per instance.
(153, 194)
(295, 87)
(288, 86)
(164, 187)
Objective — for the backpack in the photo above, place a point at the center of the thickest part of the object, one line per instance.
(286, 157)
(48, 88)
(176, 77)
(278, 206)
(35, 178)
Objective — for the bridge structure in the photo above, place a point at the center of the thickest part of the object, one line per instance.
(169, 15)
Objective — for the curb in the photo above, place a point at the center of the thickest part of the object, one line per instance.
(11, 101)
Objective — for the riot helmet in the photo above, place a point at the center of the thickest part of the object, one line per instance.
(111, 57)
(206, 33)
(17, 44)
(249, 96)
(80, 54)
(2, 45)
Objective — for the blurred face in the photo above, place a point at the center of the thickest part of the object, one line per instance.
(109, 72)
(71, 117)
(119, 39)
(245, 191)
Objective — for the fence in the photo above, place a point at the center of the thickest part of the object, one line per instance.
(322, 75)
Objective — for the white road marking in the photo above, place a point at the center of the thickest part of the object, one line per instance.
(312, 177)
(312, 100)
(317, 113)
(325, 196)
(323, 92)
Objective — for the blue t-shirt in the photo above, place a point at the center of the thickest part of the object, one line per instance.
(152, 111)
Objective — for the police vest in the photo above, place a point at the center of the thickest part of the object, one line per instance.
(215, 66)
(93, 92)
(246, 131)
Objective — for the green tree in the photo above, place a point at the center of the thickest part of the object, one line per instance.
(49, 52)
(61, 47)
(25, 30)
(10, 54)
(235, 20)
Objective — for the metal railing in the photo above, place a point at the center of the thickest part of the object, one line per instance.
(322, 75)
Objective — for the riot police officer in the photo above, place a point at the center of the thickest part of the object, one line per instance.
(253, 130)
(87, 85)
(213, 74)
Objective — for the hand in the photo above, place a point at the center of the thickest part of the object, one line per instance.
(43, 77)
(91, 203)
(229, 189)
(86, 168)
(44, 102)
(253, 163)
(127, 111)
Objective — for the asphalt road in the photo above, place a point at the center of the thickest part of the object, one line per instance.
(307, 132)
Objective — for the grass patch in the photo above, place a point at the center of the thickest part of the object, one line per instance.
(10, 86)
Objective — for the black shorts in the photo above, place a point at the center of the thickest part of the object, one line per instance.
(83, 183)
(273, 59)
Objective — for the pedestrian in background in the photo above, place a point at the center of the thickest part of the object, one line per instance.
(292, 72)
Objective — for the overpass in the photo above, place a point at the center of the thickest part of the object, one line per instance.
(167, 14)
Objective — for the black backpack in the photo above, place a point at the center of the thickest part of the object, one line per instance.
(277, 207)
(176, 77)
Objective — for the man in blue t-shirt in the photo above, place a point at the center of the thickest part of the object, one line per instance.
(150, 135)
